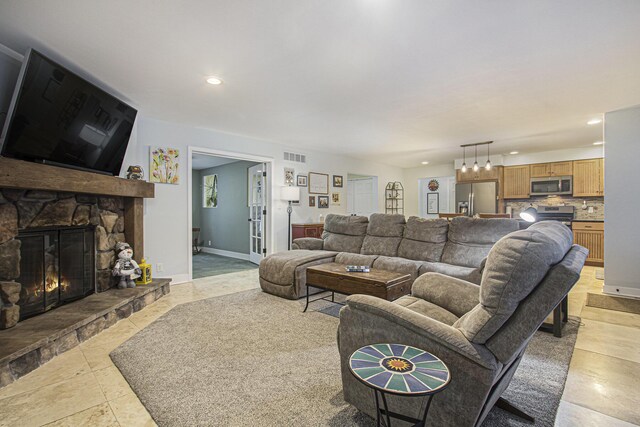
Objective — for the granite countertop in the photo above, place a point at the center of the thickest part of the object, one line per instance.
(587, 220)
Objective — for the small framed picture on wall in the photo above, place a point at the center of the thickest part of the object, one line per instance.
(312, 201)
(323, 202)
(433, 203)
(337, 181)
(289, 174)
(302, 181)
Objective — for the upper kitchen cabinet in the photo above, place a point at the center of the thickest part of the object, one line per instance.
(516, 182)
(588, 178)
(541, 170)
(482, 175)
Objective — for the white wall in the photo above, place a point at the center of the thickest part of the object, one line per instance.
(410, 181)
(167, 238)
(622, 195)
(590, 152)
(446, 195)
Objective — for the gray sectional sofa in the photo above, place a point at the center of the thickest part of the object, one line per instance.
(416, 246)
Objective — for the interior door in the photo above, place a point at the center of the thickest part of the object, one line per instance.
(257, 178)
(362, 196)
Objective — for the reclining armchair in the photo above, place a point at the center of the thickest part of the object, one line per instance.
(480, 332)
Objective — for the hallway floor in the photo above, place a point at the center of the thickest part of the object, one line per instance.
(207, 265)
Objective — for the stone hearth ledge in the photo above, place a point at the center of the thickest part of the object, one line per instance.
(35, 341)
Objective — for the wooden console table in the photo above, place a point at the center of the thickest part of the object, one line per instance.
(306, 230)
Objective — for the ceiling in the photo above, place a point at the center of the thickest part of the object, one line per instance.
(396, 81)
(202, 161)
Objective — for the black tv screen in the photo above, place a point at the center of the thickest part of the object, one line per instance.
(60, 118)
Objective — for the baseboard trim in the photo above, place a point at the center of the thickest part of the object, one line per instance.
(179, 278)
(627, 304)
(621, 291)
(229, 254)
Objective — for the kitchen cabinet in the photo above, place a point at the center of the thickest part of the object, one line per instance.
(516, 182)
(482, 175)
(561, 168)
(541, 170)
(588, 178)
(306, 230)
(591, 236)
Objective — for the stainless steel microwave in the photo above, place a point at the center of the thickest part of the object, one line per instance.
(551, 185)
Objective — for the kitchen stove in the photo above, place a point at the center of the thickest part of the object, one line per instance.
(564, 214)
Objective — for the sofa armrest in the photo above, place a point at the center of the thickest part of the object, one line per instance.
(428, 329)
(455, 295)
(309, 243)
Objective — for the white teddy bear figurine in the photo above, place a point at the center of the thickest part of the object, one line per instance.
(126, 267)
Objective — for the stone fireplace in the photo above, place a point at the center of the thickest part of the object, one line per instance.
(57, 266)
(58, 230)
(55, 248)
(35, 197)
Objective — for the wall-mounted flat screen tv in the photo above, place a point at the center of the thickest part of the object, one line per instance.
(59, 118)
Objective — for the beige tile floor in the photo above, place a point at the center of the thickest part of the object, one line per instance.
(83, 388)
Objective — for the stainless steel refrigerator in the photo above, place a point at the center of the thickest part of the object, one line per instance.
(476, 198)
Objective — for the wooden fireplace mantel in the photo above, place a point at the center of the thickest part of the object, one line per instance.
(22, 175)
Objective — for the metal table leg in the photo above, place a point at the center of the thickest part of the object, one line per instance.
(387, 414)
(307, 305)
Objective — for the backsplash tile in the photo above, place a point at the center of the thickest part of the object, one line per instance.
(518, 205)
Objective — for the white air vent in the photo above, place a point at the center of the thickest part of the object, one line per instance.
(293, 157)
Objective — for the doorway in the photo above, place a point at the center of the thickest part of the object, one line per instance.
(362, 194)
(228, 205)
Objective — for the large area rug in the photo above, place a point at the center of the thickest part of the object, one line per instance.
(254, 359)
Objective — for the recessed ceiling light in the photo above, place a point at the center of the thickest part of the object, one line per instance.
(514, 152)
(425, 163)
(594, 121)
(213, 80)
(598, 143)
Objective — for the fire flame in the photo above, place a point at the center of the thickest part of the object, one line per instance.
(51, 285)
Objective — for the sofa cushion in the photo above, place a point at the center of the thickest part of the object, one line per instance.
(348, 258)
(384, 234)
(424, 239)
(280, 268)
(469, 274)
(344, 233)
(350, 225)
(428, 309)
(399, 265)
(470, 239)
(514, 267)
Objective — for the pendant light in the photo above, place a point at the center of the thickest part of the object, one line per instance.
(487, 166)
(475, 164)
(464, 164)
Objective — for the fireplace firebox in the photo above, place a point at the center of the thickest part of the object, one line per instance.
(57, 266)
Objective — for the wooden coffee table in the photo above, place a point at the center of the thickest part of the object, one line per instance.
(333, 277)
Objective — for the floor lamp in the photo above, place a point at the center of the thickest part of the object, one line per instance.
(290, 194)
